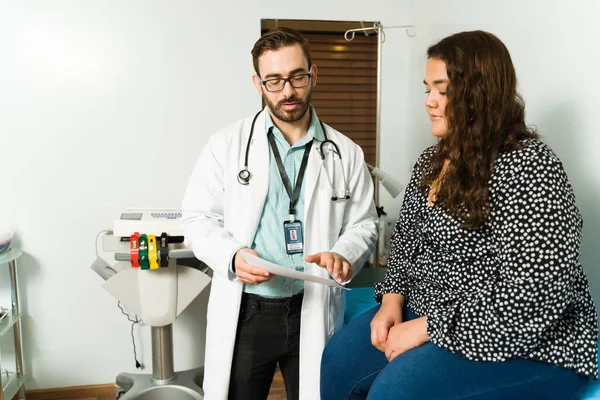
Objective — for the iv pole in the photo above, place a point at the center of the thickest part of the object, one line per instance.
(377, 28)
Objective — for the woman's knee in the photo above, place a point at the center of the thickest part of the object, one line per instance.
(349, 339)
(336, 360)
(333, 351)
(331, 373)
(348, 358)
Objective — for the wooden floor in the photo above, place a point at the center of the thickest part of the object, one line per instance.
(98, 398)
(277, 388)
(277, 393)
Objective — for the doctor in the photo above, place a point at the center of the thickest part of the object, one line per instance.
(294, 191)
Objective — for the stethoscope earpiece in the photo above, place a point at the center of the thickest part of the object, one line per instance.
(335, 198)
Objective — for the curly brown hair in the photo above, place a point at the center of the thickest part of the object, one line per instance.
(276, 39)
(485, 116)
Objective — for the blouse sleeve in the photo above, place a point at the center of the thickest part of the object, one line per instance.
(403, 242)
(536, 229)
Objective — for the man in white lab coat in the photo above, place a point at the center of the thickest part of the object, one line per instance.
(268, 185)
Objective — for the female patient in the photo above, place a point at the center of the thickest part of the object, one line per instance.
(484, 297)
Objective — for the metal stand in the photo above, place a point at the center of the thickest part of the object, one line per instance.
(164, 383)
(12, 384)
(17, 326)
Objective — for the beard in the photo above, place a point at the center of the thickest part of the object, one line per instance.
(293, 115)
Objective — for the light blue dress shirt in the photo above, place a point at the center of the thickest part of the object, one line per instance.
(269, 241)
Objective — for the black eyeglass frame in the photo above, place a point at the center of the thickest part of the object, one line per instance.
(287, 80)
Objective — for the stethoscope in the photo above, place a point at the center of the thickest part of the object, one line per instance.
(244, 175)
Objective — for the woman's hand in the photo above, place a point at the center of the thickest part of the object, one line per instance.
(389, 314)
(406, 336)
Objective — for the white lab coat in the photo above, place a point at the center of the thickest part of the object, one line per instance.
(220, 215)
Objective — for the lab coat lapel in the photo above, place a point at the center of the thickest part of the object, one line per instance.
(258, 165)
(313, 170)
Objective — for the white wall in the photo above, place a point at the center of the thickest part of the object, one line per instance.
(106, 105)
(553, 46)
(94, 92)
(404, 131)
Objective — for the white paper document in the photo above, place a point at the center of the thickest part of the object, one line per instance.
(279, 270)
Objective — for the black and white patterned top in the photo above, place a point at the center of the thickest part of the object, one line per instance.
(511, 289)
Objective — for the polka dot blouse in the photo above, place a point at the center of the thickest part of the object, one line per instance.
(513, 288)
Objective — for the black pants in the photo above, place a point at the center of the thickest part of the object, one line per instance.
(268, 333)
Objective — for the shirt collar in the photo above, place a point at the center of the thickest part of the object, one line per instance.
(314, 129)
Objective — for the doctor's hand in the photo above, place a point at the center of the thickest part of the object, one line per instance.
(406, 336)
(336, 265)
(389, 315)
(246, 272)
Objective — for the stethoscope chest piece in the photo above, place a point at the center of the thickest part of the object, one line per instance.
(244, 176)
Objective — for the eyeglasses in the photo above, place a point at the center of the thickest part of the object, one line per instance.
(277, 84)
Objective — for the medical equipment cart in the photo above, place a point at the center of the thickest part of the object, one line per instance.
(164, 382)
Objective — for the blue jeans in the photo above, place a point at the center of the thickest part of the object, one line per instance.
(352, 368)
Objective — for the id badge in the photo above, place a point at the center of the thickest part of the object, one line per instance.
(293, 237)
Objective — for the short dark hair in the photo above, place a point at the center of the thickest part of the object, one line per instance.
(276, 39)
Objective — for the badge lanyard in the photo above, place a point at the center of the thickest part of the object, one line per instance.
(292, 228)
